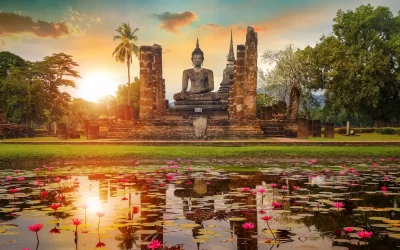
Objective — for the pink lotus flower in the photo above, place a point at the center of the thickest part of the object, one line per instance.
(100, 244)
(384, 188)
(348, 229)
(35, 228)
(8, 178)
(189, 169)
(58, 179)
(253, 192)
(273, 185)
(50, 169)
(13, 190)
(296, 188)
(100, 214)
(261, 190)
(16, 171)
(342, 172)
(374, 165)
(21, 178)
(284, 187)
(338, 205)
(55, 206)
(386, 178)
(135, 209)
(365, 234)
(248, 225)
(266, 218)
(276, 204)
(43, 194)
(26, 248)
(390, 159)
(76, 221)
(208, 183)
(327, 171)
(37, 170)
(154, 244)
(245, 189)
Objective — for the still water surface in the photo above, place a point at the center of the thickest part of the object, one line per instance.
(193, 207)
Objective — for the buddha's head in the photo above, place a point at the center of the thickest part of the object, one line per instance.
(197, 55)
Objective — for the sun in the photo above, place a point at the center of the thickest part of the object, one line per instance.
(93, 203)
(96, 85)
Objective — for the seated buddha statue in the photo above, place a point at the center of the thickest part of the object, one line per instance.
(201, 80)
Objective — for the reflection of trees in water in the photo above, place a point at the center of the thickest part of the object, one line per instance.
(128, 238)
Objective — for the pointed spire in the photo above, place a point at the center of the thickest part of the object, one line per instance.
(231, 56)
(197, 44)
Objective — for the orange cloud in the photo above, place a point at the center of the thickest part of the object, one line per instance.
(17, 23)
(174, 21)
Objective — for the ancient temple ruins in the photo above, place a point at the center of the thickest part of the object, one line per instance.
(200, 111)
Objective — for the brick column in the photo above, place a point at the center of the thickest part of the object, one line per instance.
(302, 128)
(146, 59)
(239, 82)
(250, 75)
(329, 130)
(157, 82)
(316, 128)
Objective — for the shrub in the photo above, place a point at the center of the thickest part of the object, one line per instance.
(389, 131)
(40, 131)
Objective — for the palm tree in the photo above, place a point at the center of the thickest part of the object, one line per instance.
(123, 52)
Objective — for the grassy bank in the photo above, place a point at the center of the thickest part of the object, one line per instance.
(22, 152)
(359, 137)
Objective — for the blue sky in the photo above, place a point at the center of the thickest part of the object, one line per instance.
(85, 29)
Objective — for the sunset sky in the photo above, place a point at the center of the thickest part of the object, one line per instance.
(84, 29)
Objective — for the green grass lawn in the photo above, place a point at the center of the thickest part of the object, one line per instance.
(359, 137)
(9, 152)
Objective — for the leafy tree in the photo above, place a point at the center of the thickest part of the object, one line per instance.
(263, 100)
(22, 97)
(130, 91)
(8, 59)
(124, 51)
(359, 64)
(292, 77)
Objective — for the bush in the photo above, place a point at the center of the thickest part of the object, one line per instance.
(389, 131)
(39, 131)
(342, 131)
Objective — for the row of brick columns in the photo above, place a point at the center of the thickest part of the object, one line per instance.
(313, 128)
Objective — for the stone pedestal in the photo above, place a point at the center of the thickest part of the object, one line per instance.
(316, 128)
(302, 128)
(329, 130)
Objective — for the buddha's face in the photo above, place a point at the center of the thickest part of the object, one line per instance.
(197, 60)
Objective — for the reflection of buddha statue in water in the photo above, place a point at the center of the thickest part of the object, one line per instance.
(201, 80)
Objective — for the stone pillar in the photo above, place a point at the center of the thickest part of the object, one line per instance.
(329, 130)
(302, 128)
(93, 133)
(239, 83)
(268, 112)
(316, 128)
(262, 113)
(250, 75)
(158, 81)
(146, 60)
(231, 95)
(85, 127)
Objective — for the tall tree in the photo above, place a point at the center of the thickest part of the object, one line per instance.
(360, 63)
(124, 51)
(58, 71)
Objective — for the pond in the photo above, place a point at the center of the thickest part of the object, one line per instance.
(303, 206)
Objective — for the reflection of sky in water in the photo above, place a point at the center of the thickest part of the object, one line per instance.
(180, 202)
